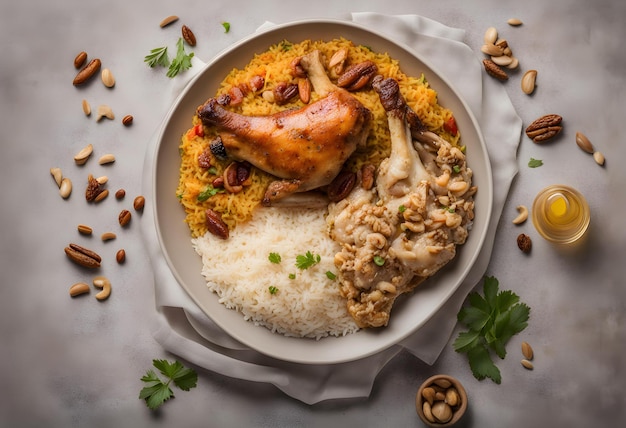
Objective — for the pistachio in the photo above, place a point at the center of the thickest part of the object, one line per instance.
(528, 81)
(107, 78)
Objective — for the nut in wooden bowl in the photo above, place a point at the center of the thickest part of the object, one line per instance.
(441, 401)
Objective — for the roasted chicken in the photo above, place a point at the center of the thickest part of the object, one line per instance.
(304, 148)
(408, 226)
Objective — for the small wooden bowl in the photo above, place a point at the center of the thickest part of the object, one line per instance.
(457, 411)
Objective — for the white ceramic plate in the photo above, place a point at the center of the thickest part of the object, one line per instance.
(410, 312)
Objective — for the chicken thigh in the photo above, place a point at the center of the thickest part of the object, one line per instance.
(408, 226)
(306, 147)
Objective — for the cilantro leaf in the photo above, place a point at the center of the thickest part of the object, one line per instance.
(156, 392)
(534, 163)
(208, 191)
(182, 61)
(226, 26)
(157, 56)
(307, 260)
(330, 275)
(274, 258)
(492, 319)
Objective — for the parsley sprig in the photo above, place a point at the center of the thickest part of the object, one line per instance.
(305, 261)
(492, 321)
(159, 57)
(156, 392)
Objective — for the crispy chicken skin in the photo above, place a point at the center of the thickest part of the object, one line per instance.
(304, 148)
(408, 226)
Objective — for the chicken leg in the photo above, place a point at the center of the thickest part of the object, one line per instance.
(304, 148)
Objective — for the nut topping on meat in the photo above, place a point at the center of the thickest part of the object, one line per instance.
(408, 225)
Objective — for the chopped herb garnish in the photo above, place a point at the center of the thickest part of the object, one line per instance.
(492, 320)
(379, 261)
(157, 392)
(274, 258)
(456, 169)
(285, 46)
(273, 290)
(292, 276)
(307, 260)
(208, 192)
(534, 163)
(212, 170)
(331, 275)
(226, 26)
(401, 208)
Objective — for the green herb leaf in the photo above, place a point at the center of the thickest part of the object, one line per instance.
(534, 163)
(492, 319)
(182, 61)
(157, 56)
(156, 391)
(292, 276)
(274, 258)
(226, 26)
(208, 191)
(273, 289)
(307, 260)
(379, 261)
(456, 169)
(331, 275)
(401, 208)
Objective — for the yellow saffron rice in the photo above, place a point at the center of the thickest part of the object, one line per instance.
(195, 190)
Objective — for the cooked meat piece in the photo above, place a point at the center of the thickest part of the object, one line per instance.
(306, 147)
(407, 227)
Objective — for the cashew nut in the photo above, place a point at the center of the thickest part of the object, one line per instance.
(103, 283)
(522, 216)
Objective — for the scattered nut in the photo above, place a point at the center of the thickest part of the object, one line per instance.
(442, 412)
(503, 60)
(527, 364)
(599, 158)
(452, 397)
(103, 283)
(57, 175)
(215, 224)
(427, 410)
(494, 70)
(492, 50)
(524, 242)
(83, 229)
(514, 22)
(528, 81)
(107, 78)
(86, 108)
(120, 256)
(491, 35)
(104, 111)
(65, 189)
(169, 20)
(94, 188)
(102, 179)
(124, 218)
(106, 159)
(83, 256)
(357, 76)
(139, 203)
(80, 59)
(88, 72)
(429, 395)
(304, 90)
(108, 236)
(120, 194)
(583, 142)
(341, 185)
(522, 216)
(101, 196)
(527, 351)
(188, 35)
(81, 157)
(127, 120)
(78, 289)
(544, 128)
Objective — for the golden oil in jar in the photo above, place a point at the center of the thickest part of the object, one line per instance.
(561, 214)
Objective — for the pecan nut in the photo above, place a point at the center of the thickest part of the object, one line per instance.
(124, 218)
(94, 188)
(494, 70)
(215, 224)
(544, 128)
(83, 256)
(87, 72)
(357, 76)
(341, 186)
(188, 35)
(524, 242)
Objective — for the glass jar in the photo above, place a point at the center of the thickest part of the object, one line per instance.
(561, 214)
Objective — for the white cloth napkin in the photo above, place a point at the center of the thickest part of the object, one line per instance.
(186, 331)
